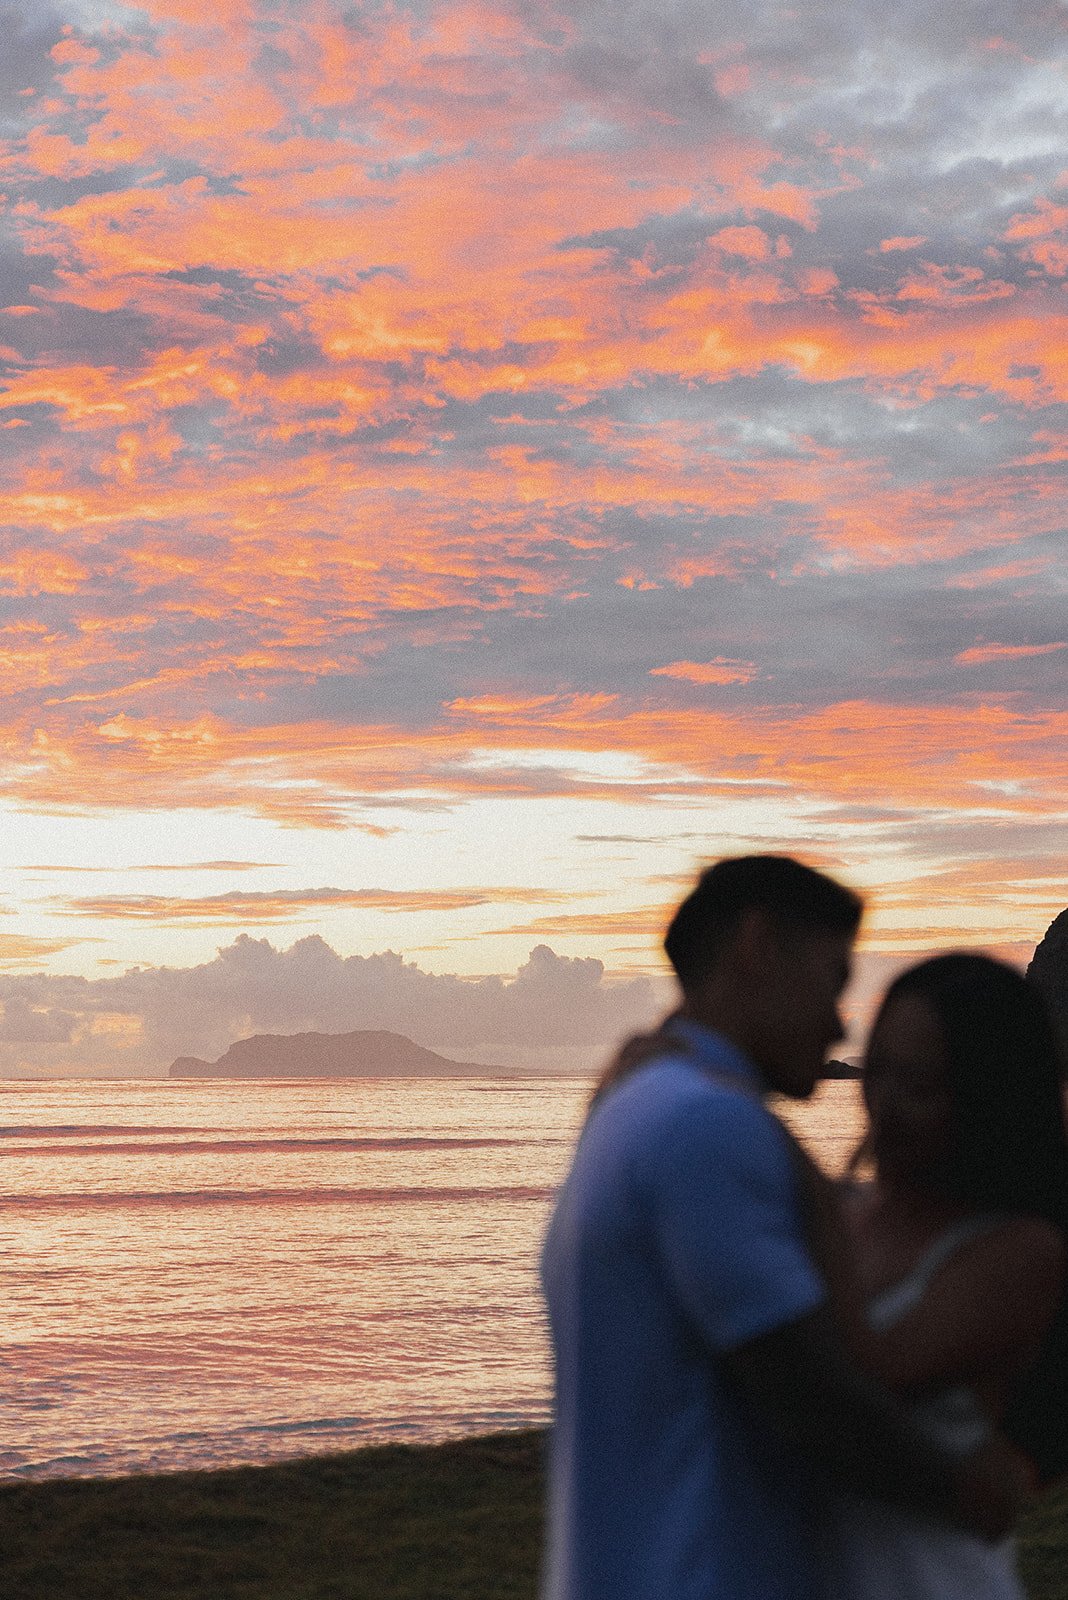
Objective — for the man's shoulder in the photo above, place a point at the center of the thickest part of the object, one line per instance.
(671, 1142)
(673, 1099)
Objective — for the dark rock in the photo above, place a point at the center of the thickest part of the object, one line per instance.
(841, 1069)
(1049, 973)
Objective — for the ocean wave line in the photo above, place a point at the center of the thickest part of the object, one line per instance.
(92, 1200)
(58, 1130)
(207, 1146)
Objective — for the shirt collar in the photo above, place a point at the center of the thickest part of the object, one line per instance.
(715, 1053)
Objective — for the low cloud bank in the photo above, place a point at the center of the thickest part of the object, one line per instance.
(557, 1012)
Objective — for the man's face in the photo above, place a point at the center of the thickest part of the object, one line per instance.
(795, 1018)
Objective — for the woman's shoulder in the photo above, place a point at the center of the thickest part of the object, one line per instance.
(1013, 1257)
(1022, 1245)
(1011, 1272)
(974, 1307)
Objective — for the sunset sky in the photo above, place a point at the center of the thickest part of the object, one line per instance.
(466, 466)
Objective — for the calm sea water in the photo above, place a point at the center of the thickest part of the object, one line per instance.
(204, 1273)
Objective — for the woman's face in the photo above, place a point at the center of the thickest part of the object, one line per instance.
(906, 1090)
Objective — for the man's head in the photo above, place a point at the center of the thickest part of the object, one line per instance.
(761, 948)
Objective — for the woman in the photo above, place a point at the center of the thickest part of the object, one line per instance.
(960, 1247)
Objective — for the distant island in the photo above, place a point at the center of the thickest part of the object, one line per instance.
(363, 1054)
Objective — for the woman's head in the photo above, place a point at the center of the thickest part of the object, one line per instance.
(963, 1087)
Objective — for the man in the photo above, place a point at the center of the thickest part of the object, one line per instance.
(702, 1385)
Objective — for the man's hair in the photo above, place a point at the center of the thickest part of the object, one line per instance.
(793, 897)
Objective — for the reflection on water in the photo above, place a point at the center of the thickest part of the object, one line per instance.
(830, 1124)
(199, 1273)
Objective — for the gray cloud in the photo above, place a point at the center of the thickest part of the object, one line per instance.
(29, 35)
(22, 1024)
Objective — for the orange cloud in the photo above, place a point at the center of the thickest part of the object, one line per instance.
(240, 908)
(750, 242)
(19, 951)
(721, 670)
(980, 654)
(315, 774)
(1041, 235)
(643, 923)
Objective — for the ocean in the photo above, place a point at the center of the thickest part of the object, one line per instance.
(202, 1273)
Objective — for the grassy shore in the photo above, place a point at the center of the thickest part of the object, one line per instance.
(458, 1521)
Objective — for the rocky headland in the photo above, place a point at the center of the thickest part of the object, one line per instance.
(1049, 972)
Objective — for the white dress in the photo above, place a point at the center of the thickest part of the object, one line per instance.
(877, 1552)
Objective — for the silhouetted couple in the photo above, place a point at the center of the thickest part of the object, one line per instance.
(770, 1387)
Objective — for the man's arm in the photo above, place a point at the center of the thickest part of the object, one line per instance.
(801, 1379)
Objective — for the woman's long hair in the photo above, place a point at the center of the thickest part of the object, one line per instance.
(1008, 1148)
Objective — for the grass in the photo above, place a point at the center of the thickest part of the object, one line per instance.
(1044, 1547)
(459, 1521)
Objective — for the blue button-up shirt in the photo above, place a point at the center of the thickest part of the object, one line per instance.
(676, 1238)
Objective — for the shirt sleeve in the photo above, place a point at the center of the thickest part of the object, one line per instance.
(724, 1211)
